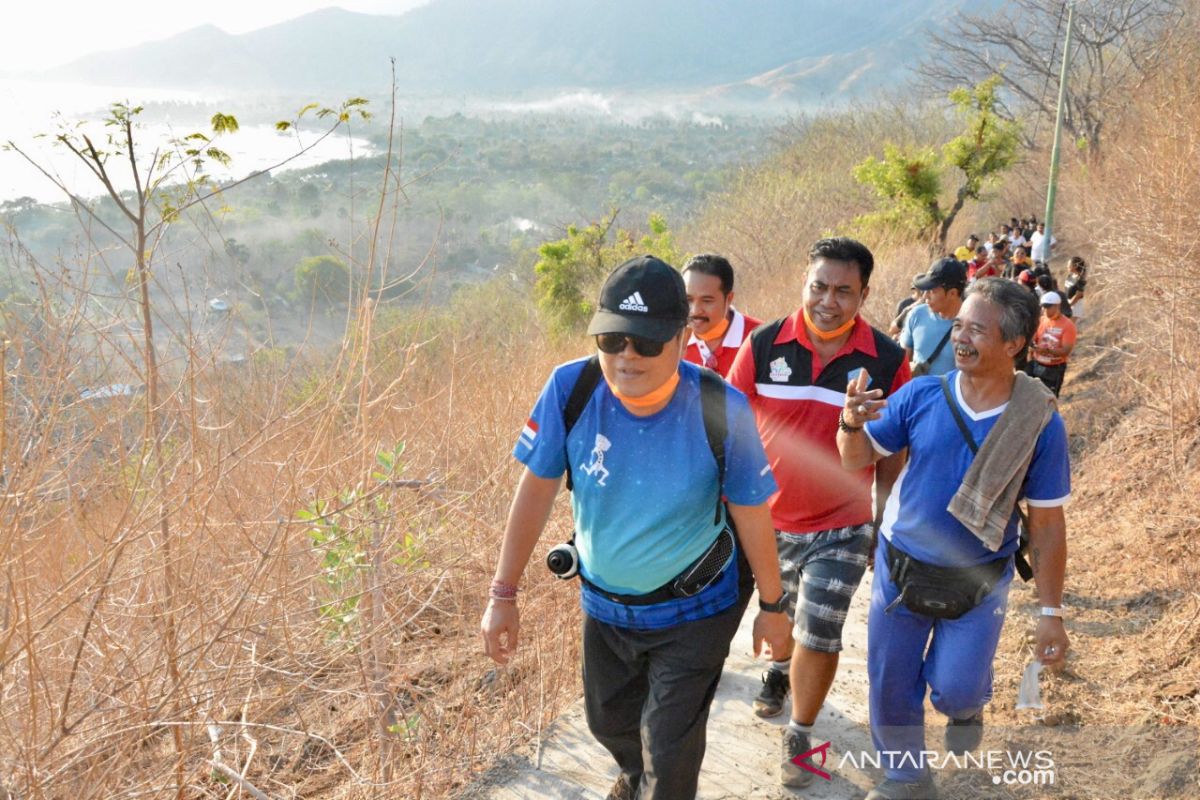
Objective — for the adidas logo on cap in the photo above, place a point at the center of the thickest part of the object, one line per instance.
(634, 303)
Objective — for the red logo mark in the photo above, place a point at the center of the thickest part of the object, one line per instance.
(802, 760)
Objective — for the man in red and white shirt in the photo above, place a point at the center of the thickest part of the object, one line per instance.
(794, 372)
(718, 329)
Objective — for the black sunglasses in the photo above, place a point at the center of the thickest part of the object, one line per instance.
(614, 343)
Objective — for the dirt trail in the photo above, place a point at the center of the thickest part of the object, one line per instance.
(743, 750)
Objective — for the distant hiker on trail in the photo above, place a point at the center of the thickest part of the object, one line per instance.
(1001, 261)
(944, 562)
(966, 251)
(1021, 260)
(794, 371)
(664, 580)
(1052, 344)
(1074, 287)
(978, 268)
(1041, 248)
(926, 334)
(904, 307)
(717, 328)
(1016, 236)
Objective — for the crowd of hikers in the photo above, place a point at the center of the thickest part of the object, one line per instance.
(1019, 252)
(709, 454)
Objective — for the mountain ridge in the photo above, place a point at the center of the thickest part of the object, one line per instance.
(779, 49)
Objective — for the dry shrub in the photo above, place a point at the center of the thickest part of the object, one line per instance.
(1140, 208)
(246, 651)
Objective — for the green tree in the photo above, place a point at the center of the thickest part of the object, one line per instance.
(326, 278)
(909, 182)
(569, 270)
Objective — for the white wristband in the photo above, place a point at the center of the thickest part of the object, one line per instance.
(1052, 611)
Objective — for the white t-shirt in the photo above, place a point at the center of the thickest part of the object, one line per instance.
(1039, 248)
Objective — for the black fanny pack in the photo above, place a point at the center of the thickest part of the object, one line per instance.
(941, 592)
(698, 576)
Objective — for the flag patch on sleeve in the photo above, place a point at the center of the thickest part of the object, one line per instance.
(529, 434)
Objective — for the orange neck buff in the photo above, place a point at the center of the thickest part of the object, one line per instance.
(649, 399)
(827, 336)
(718, 332)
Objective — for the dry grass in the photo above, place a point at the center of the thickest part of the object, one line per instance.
(130, 669)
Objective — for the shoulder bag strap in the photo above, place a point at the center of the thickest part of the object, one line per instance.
(962, 424)
(937, 351)
(1023, 568)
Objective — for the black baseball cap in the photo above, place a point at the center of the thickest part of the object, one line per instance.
(947, 272)
(644, 297)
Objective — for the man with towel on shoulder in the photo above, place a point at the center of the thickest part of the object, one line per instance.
(946, 557)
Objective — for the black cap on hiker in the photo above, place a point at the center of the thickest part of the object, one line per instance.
(644, 297)
(949, 273)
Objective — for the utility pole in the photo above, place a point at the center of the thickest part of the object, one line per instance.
(1052, 190)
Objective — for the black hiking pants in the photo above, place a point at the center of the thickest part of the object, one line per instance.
(647, 695)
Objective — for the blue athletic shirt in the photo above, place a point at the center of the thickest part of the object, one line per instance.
(645, 487)
(922, 331)
(915, 518)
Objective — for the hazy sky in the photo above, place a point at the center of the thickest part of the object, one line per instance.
(43, 33)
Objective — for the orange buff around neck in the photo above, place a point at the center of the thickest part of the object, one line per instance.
(649, 399)
(717, 332)
(827, 336)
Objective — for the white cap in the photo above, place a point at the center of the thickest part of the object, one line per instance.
(1051, 299)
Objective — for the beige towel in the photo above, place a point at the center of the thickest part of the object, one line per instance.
(984, 502)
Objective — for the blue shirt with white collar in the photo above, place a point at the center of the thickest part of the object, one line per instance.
(915, 518)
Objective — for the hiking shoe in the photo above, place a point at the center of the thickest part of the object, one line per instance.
(905, 790)
(621, 789)
(769, 702)
(792, 774)
(964, 735)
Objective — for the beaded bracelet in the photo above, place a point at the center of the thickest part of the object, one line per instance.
(847, 427)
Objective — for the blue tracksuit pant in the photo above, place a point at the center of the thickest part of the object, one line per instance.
(908, 652)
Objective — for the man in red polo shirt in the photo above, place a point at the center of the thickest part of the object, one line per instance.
(795, 371)
(718, 329)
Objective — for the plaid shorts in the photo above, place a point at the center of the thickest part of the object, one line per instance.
(821, 570)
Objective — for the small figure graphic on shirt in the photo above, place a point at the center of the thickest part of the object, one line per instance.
(597, 461)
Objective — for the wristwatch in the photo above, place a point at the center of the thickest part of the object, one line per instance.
(778, 607)
(1052, 611)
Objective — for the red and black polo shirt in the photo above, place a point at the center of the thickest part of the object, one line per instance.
(797, 401)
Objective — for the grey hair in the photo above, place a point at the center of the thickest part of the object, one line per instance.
(1019, 308)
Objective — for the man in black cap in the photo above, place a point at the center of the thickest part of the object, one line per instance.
(926, 333)
(650, 446)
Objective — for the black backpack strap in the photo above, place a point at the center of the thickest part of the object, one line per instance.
(712, 404)
(581, 393)
(1022, 564)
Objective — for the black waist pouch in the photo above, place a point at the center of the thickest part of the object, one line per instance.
(708, 568)
(941, 592)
